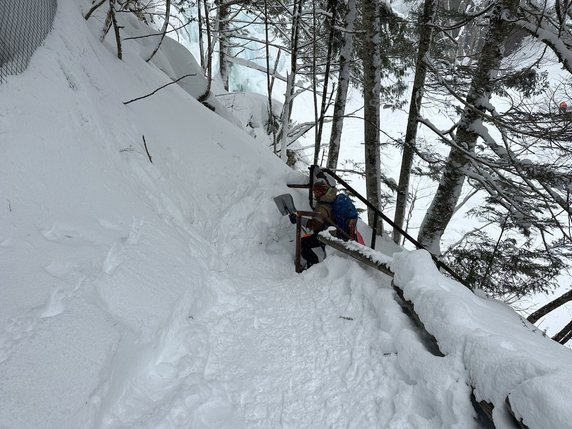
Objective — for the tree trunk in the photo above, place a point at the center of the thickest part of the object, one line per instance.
(208, 71)
(425, 38)
(223, 32)
(115, 29)
(163, 30)
(268, 78)
(286, 115)
(108, 21)
(371, 91)
(201, 44)
(291, 79)
(315, 83)
(552, 305)
(443, 205)
(343, 85)
(323, 107)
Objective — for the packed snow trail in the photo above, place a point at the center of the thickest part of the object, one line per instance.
(302, 347)
(268, 348)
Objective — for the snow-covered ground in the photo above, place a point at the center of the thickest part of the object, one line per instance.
(159, 292)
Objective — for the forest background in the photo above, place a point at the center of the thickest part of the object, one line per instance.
(447, 115)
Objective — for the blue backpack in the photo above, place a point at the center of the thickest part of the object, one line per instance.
(343, 210)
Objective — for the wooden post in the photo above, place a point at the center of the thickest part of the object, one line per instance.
(298, 242)
(374, 230)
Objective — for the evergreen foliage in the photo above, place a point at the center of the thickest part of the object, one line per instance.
(398, 40)
(506, 266)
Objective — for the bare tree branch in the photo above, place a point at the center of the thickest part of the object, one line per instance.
(158, 89)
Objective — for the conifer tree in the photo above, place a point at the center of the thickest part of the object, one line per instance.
(478, 98)
(371, 61)
(426, 23)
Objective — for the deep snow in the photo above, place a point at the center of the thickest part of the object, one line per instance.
(139, 294)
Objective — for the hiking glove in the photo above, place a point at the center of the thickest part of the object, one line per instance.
(292, 217)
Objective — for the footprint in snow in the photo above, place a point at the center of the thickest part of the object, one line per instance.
(68, 234)
(55, 304)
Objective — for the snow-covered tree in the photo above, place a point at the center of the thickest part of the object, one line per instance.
(469, 129)
(371, 61)
(346, 55)
(426, 23)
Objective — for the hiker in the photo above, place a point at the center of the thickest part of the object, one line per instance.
(324, 194)
(563, 107)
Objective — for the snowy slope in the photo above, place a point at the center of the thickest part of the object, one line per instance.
(160, 293)
(98, 244)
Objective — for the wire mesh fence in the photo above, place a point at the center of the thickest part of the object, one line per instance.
(24, 24)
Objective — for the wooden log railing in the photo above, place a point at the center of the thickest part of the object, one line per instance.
(373, 259)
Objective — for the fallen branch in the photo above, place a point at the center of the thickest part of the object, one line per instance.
(147, 150)
(93, 9)
(158, 89)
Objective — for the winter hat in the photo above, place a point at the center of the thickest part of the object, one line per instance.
(320, 186)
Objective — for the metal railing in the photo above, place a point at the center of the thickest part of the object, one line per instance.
(378, 214)
(24, 24)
